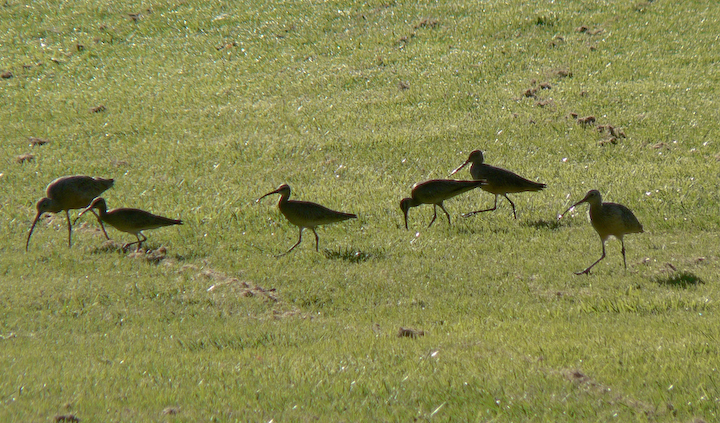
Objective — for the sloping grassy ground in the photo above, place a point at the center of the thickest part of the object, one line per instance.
(208, 106)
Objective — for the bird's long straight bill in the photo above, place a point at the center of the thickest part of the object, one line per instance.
(85, 211)
(459, 167)
(90, 209)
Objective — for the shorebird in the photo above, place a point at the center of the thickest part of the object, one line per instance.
(434, 192)
(132, 221)
(67, 193)
(499, 181)
(305, 214)
(608, 219)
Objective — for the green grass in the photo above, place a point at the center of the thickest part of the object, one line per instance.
(208, 106)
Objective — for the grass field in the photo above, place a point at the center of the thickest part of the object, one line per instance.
(197, 109)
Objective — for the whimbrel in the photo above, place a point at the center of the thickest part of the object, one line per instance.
(608, 219)
(132, 221)
(499, 181)
(305, 214)
(67, 193)
(434, 192)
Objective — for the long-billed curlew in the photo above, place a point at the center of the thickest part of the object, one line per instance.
(132, 221)
(434, 192)
(67, 193)
(608, 219)
(305, 214)
(499, 181)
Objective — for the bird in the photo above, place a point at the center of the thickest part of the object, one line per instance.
(608, 219)
(499, 181)
(434, 192)
(132, 221)
(67, 193)
(305, 214)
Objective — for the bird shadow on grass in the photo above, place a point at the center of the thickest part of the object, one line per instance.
(552, 225)
(679, 280)
(351, 255)
(150, 253)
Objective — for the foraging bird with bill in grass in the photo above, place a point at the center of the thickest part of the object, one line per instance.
(434, 192)
(499, 181)
(305, 214)
(608, 219)
(67, 193)
(132, 221)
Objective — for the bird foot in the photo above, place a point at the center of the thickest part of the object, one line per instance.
(584, 272)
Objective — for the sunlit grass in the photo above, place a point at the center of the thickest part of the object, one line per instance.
(208, 106)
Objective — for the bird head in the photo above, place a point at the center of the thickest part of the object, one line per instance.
(592, 197)
(283, 190)
(98, 203)
(475, 157)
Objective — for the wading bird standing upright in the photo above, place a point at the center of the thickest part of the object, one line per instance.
(305, 214)
(608, 219)
(434, 192)
(132, 221)
(499, 181)
(67, 193)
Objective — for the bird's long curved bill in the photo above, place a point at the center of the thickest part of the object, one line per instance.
(459, 167)
(27, 243)
(570, 208)
(269, 193)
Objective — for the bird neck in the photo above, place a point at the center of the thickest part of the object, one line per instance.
(413, 202)
(102, 210)
(284, 198)
(595, 208)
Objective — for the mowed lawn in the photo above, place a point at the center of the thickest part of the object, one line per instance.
(197, 109)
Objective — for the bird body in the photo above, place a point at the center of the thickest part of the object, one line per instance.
(608, 219)
(132, 221)
(305, 214)
(434, 192)
(499, 181)
(67, 193)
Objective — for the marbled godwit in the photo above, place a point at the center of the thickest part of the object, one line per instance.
(132, 221)
(499, 181)
(434, 192)
(608, 219)
(67, 193)
(305, 214)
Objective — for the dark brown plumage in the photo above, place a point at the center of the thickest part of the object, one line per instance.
(305, 214)
(608, 219)
(434, 192)
(132, 221)
(67, 193)
(499, 181)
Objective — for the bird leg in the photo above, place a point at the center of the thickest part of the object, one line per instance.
(434, 215)
(138, 242)
(511, 203)
(296, 244)
(623, 252)
(481, 211)
(102, 226)
(587, 271)
(446, 213)
(67, 214)
(317, 241)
